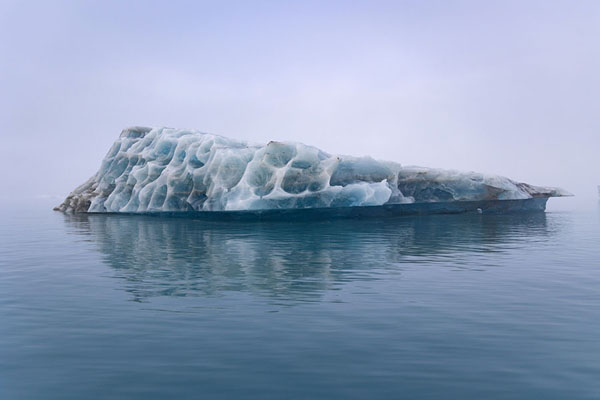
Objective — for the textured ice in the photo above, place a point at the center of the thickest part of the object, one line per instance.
(163, 169)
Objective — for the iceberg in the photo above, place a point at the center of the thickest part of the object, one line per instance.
(187, 172)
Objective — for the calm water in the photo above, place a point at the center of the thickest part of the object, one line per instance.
(442, 307)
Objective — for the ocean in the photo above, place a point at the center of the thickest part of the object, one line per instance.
(431, 307)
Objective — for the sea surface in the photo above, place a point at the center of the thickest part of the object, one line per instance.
(440, 307)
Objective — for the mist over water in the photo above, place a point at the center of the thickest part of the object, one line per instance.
(461, 306)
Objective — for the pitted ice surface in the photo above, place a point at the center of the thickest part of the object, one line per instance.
(164, 169)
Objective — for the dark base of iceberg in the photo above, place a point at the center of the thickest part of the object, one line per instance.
(537, 204)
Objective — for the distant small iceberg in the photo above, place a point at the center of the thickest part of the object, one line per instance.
(190, 173)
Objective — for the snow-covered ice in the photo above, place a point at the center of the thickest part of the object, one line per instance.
(164, 169)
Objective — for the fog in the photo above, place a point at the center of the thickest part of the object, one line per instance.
(509, 88)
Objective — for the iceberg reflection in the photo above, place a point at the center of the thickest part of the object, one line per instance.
(293, 261)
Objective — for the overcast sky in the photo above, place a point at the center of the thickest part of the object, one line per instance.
(510, 88)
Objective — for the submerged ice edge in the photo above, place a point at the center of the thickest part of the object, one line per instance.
(164, 169)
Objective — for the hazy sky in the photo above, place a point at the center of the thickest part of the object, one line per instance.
(502, 87)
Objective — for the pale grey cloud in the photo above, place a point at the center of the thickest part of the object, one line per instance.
(500, 87)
